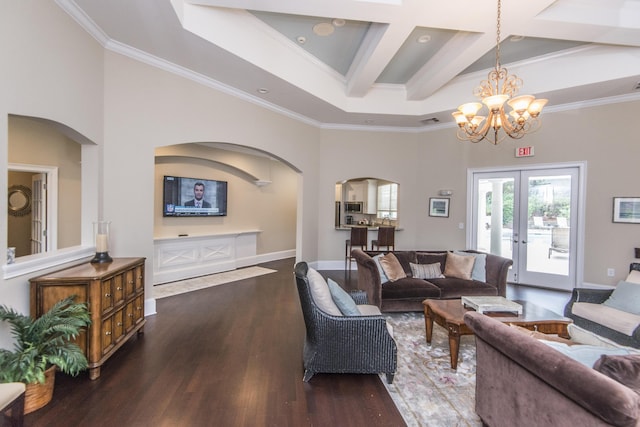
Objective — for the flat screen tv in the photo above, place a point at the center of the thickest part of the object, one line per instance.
(193, 197)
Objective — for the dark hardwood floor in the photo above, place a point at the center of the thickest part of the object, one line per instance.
(230, 355)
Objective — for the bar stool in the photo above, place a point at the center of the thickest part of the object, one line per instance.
(358, 239)
(386, 237)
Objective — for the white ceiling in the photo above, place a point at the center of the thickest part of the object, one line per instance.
(371, 71)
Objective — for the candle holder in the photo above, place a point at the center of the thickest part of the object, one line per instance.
(101, 235)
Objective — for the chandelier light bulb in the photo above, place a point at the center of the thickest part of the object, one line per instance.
(460, 118)
(470, 109)
(495, 102)
(521, 103)
(535, 108)
(477, 120)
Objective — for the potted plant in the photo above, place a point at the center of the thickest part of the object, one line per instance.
(41, 345)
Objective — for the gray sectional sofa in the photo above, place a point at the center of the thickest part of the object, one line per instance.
(407, 294)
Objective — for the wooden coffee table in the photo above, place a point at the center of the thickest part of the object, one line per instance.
(450, 315)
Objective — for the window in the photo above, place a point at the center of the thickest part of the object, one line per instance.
(387, 201)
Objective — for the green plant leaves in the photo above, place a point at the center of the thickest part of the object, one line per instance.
(43, 342)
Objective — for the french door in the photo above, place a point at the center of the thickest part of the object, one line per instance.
(533, 217)
(39, 213)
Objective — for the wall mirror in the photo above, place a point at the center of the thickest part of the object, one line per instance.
(366, 201)
(19, 200)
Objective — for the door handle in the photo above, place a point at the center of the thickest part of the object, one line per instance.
(524, 241)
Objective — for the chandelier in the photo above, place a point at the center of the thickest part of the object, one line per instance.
(498, 89)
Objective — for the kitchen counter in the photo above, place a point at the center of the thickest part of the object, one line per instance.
(369, 227)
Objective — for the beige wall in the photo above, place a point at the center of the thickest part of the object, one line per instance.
(128, 109)
(51, 69)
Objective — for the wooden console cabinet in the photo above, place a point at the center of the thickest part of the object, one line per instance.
(115, 295)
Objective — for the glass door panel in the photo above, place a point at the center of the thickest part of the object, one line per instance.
(528, 216)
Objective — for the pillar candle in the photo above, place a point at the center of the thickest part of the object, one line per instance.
(102, 244)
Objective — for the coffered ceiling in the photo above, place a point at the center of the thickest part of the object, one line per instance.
(378, 64)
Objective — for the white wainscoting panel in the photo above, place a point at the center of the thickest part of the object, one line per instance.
(178, 258)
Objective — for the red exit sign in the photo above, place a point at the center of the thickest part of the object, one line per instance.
(524, 151)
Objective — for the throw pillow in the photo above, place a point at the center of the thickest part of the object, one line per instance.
(540, 336)
(321, 294)
(383, 277)
(624, 369)
(392, 267)
(586, 354)
(582, 336)
(459, 266)
(343, 300)
(625, 297)
(479, 271)
(426, 271)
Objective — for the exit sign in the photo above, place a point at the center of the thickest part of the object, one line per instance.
(524, 152)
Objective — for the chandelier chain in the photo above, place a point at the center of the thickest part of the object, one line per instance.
(498, 38)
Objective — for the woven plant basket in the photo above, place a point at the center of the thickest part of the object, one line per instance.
(38, 395)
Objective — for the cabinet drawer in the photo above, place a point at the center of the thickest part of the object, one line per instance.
(107, 335)
(130, 283)
(118, 325)
(118, 288)
(129, 315)
(138, 315)
(106, 288)
(139, 278)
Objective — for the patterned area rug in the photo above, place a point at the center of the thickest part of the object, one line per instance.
(175, 288)
(425, 389)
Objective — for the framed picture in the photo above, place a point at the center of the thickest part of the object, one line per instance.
(626, 209)
(439, 206)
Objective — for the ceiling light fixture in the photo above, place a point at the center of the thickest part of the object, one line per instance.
(500, 87)
(323, 29)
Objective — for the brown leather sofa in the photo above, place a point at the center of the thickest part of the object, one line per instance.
(523, 382)
(407, 294)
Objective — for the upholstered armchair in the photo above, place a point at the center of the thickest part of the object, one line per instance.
(588, 310)
(335, 343)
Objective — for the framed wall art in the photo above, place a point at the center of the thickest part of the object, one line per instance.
(626, 209)
(439, 206)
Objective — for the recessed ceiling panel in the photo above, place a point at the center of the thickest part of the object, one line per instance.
(515, 48)
(419, 47)
(334, 41)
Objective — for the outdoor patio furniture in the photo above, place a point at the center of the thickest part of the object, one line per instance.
(559, 240)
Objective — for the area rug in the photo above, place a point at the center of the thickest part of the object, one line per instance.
(425, 389)
(182, 286)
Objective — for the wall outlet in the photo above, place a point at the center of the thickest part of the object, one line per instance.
(611, 272)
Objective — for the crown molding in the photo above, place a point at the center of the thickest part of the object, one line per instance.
(71, 8)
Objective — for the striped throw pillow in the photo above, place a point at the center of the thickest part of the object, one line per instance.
(426, 271)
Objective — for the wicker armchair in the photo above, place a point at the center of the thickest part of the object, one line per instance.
(343, 344)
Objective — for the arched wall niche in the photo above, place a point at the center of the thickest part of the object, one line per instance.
(67, 162)
(369, 201)
(262, 192)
